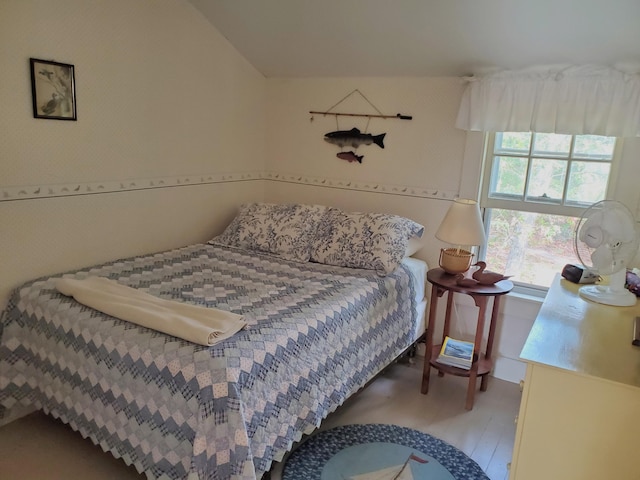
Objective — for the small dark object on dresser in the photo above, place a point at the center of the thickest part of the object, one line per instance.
(633, 283)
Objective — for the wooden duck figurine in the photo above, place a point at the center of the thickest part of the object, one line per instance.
(463, 281)
(487, 278)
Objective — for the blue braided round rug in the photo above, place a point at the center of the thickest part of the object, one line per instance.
(377, 452)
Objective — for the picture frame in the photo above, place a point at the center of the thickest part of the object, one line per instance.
(53, 89)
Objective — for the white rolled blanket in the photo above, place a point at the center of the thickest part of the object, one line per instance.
(201, 325)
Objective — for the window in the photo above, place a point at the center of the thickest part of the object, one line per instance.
(535, 188)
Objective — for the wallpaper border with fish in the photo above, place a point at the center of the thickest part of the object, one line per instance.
(32, 192)
(383, 188)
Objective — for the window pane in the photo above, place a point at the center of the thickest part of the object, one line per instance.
(508, 176)
(588, 182)
(551, 144)
(547, 180)
(511, 142)
(540, 171)
(594, 147)
(532, 247)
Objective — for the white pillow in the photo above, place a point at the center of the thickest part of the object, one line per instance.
(413, 245)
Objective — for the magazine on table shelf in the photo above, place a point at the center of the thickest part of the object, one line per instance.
(456, 353)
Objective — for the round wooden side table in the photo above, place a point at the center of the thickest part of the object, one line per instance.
(482, 363)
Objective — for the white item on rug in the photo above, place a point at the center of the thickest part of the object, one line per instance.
(201, 325)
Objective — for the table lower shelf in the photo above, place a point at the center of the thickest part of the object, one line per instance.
(484, 365)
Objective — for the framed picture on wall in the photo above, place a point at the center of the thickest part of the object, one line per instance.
(53, 89)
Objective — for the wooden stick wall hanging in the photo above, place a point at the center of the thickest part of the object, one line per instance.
(354, 137)
(367, 115)
(399, 116)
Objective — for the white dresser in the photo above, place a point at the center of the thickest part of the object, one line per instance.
(580, 411)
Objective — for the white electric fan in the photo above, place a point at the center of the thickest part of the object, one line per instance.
(606, 241)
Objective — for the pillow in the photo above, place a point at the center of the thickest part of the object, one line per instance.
(375, 241)
(284, 230)
(413, 245)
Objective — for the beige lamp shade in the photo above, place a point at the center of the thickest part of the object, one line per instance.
(461, 226)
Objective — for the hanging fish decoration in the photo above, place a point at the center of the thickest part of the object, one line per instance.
(350, 156)
(353, 138)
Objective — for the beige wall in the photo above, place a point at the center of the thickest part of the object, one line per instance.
(160, 95)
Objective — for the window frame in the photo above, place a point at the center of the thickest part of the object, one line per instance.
(521, 203)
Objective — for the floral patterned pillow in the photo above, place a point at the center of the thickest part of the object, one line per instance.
(375, 241)
(284, 230)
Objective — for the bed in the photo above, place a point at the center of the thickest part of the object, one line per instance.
(316, 333)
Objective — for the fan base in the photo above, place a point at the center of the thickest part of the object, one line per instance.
(605, 295)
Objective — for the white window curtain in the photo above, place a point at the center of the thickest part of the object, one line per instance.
(578, 100)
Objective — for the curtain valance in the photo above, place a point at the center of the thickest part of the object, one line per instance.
(571, 100)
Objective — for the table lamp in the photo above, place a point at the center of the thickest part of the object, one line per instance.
(462, 226)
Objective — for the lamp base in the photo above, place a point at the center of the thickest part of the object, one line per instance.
(455, 260)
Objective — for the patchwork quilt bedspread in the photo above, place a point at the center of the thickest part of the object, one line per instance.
(173, 409)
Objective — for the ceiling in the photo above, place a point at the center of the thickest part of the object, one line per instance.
(338, 38)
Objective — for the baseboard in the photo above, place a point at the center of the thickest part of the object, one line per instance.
(509, 369)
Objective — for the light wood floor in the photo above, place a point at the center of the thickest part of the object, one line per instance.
(39, 448)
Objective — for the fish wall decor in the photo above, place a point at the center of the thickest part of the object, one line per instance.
(353, 138)
(350, 156)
